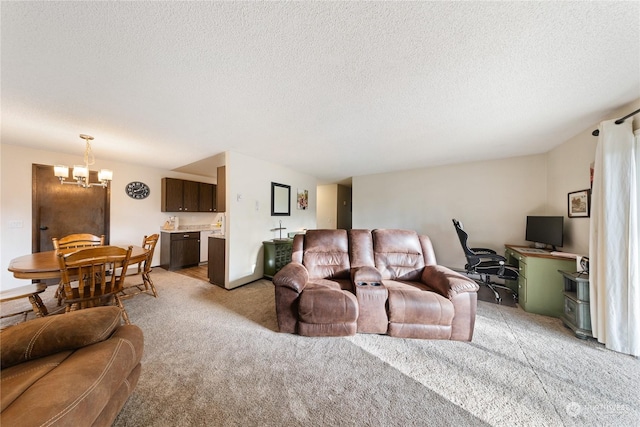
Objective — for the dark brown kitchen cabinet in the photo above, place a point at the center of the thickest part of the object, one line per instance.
(178, 250)
(221, 189)
(191, 195)
(207, 202)
(179, 195)
(217, 262)
(172, 190)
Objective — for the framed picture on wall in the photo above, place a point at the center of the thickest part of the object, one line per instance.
(303, 199)
(579, 204)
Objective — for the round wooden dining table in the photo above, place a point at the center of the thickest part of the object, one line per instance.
(44, 265)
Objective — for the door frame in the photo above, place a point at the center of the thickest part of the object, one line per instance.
(35, 220)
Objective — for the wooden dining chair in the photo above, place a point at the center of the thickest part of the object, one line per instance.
(79, 240)
(132, 285)
(89, 277)
(72, 241)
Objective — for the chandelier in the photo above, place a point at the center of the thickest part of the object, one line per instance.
(81, 172)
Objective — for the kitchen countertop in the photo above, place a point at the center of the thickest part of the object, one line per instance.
(193, 228)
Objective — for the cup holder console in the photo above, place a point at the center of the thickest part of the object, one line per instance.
(367, 283)
(372, 299)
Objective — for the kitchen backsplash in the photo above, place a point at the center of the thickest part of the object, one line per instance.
(199, 222)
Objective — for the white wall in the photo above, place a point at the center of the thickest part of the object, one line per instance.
(327, 212)
(491, 199)
(130, 219)
(568, 171)
(249, 219)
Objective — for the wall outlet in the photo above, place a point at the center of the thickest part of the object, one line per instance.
(15, 224)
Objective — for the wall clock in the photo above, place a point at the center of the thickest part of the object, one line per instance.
(137, 190)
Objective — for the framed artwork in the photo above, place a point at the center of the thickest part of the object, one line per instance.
(579, 204)
(280, 199)
(303, 199)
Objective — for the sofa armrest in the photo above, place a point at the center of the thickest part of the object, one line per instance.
(365, 274)
(447, 282)
(52, 334)
(293, 275)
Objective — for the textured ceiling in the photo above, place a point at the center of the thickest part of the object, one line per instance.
(333, 89)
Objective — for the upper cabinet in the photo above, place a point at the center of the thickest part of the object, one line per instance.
(190, 196)
(172, 195)
(221, 190)
(179, 195)
(207, 201)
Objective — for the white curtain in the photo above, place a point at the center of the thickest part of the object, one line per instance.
(614, 254)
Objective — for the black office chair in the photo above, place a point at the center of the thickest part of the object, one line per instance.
(486, 263)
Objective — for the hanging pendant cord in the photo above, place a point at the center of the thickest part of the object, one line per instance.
(619, 121)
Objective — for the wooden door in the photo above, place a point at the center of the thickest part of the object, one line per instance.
(59, 210)
(172, 190)
(221, 190)
(207, 197)
(185, 253)
(190, 196)
(216, 261)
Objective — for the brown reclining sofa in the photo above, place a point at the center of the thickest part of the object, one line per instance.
(73, 369)
(382, 281)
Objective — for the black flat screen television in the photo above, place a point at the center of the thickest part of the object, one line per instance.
(546, 230)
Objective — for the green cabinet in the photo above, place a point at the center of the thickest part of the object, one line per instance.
(277, 254)
(540, 288)
(577, 314)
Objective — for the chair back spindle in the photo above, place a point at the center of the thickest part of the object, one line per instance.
(89, 277)
(79, 240)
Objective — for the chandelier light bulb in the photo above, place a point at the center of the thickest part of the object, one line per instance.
(81, 172)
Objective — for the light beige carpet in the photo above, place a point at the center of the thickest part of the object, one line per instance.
(214, 358)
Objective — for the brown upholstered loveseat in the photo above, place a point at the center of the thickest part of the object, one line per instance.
(74, 369)
(382, 281)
